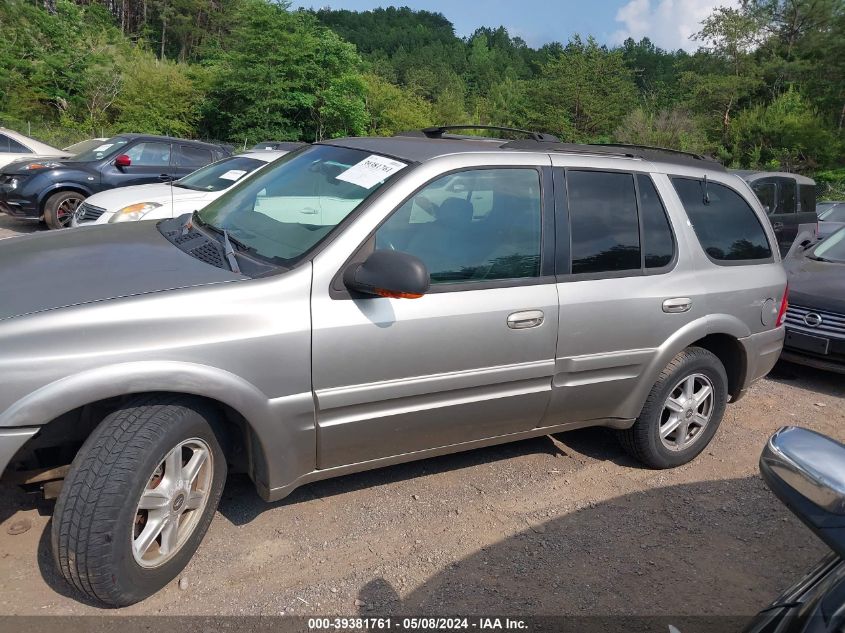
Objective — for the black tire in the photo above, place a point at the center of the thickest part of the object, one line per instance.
(58, 210)
(96, 511)
(642, 441)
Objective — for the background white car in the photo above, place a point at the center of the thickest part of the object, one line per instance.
(14, 146)
(161, 200)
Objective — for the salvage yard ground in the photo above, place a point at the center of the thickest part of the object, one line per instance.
(563, 525)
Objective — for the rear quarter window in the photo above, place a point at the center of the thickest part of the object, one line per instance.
(725, 224)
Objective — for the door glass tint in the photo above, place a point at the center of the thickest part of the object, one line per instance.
(471, 226)
(658, 242)
(603, 216)
(787, 196)
(192, 157)
(767, 193)
(807, 195)
(727, 227)
(149, 155)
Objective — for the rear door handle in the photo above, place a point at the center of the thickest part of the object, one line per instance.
(526, 319)
(677, 305)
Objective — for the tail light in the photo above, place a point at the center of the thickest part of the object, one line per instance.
(784, 304)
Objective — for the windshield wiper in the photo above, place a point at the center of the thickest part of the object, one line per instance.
(230, 253)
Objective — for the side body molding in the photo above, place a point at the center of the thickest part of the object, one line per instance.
(282, 427)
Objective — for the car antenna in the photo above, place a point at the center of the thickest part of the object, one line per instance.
(706, 192)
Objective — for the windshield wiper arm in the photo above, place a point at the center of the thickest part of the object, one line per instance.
(230, 253)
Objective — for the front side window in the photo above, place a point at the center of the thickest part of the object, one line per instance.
(604, 223)
(471, 226)
(286, 209)
(725, 224)
(220, 175)
(149, 154)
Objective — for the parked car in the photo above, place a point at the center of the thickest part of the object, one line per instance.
(371, 301)
(288, 146)
(815, 320)
(14, 146)
(831, 217)
(166, 200)
(84, 146)
(806, 471)
(789, 200)
(52, 190)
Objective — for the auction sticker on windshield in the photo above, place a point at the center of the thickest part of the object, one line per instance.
(371, 171)
(233, 174)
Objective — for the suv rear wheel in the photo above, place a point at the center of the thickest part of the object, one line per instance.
(139, 498)
(60, 207)
(682, 411)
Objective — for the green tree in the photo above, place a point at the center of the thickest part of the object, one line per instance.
(582, 93)
(392, 109)
(279, 75)
(157, 97)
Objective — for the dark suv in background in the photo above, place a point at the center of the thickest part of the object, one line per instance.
(789, 200)
(51, 189)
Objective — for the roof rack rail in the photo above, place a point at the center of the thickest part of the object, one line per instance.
(652, 148)
(439, 130)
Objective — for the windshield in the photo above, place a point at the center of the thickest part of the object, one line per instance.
(83, 146)
(285, 210)
(220, 175)
(832, 248)
(101, 150)
(833, 212)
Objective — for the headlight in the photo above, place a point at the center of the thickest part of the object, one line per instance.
(133, 212)
(49, 164)
(13, 183)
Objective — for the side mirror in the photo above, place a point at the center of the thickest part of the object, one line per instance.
(806, 470)
(390, 274)
(122, 161)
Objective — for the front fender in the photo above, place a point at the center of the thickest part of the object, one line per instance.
(282, 427)
(56, 186)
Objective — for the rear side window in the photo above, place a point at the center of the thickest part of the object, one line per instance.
(658, 241)
(787, 196)
(192, 157)
(807, 195)
(603, 220)
(726, 226)
(10, 145)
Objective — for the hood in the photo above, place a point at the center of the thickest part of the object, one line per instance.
(55, 269)
(819, 285)
(115, 199)
(14, 168)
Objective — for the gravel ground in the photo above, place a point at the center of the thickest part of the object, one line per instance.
(556, 525)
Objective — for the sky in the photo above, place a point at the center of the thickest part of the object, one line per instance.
(668, 23)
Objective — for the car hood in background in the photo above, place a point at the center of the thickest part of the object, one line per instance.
(56, 269)
(115, 199)
(813, 284)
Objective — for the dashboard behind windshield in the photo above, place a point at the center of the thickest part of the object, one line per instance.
(101, 150)
(287, 208)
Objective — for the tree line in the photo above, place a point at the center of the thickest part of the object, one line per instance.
(766, 87)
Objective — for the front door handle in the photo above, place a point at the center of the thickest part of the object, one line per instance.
(526, 319)
(677, 305)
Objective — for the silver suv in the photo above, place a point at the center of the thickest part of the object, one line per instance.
(369, 301)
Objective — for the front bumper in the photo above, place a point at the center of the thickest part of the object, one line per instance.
(11, 441)
(13, 203)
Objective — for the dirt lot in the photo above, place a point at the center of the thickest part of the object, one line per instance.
(568, 525)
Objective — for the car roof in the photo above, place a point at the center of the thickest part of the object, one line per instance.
(749, 175)
(154, 137)
(417, 147)
(36, 146)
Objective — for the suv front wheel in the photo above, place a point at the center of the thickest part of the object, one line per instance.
(682, 411)
(139, 498)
